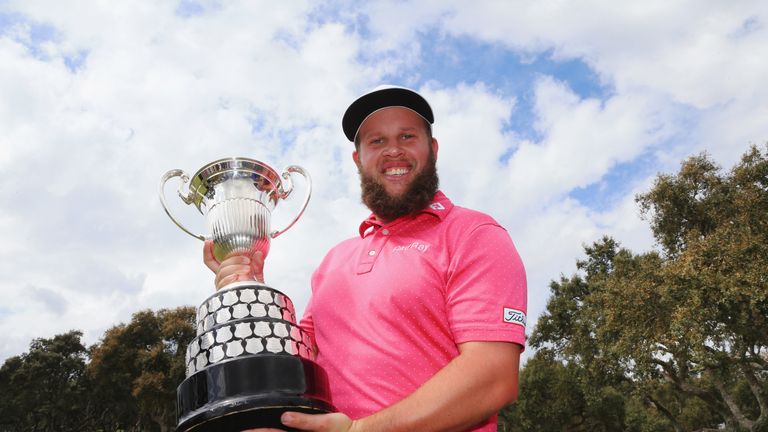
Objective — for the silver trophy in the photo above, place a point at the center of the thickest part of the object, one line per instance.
(250, 361)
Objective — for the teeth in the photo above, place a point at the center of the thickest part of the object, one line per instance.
(396, 171)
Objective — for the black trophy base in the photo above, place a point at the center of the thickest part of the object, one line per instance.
(251, 392)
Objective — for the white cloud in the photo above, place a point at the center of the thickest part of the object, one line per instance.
(471, 119)
(582, 139)
(703, 55)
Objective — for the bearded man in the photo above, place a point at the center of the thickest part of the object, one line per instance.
(420, 320)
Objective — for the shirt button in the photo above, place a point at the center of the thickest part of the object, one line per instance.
(372, 253)
(385, 231)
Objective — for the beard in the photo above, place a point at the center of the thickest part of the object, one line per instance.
(418, 195)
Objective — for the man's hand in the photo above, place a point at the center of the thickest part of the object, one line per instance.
(234, 267)
(334, 422)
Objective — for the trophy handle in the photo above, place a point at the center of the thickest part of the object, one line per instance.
(289, 189)
(186, 198)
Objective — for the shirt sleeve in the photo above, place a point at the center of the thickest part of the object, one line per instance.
(486, 293)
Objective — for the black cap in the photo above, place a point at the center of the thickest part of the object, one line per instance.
(369, 103)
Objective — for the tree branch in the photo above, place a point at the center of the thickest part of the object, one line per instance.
(709, 397)
(666, 413)
(736, 413)
(758, 391)
(757, 359)
(671, 374)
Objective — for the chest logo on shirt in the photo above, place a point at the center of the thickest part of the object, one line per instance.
(514, 316)
(417, 245)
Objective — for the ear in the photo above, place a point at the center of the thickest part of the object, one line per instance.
(434, 147)
(356, 158)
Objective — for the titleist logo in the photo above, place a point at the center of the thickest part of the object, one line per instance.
(514, 316)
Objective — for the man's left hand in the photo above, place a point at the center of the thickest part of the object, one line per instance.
(333, 422)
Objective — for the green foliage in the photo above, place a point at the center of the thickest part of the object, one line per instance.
(671, 340)
(550, 404)
(43, 389)
(136, 367)
(126, 382)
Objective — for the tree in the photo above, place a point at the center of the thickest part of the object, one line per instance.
(162, 367)
(684, 328)
(136, 367)
(555, 399)
(43, 389)
(128, 385)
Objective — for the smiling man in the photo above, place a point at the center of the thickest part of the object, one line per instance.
(420, 320)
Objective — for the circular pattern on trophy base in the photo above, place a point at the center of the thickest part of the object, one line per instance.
(247, 299)
(251, 392)
(246, 337)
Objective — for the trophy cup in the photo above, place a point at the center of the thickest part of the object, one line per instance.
(250, 361)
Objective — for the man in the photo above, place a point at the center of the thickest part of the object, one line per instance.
(419, 321)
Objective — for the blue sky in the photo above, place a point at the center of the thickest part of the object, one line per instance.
(453, 60)
(615, 183)
(38, 34)
(551, 117)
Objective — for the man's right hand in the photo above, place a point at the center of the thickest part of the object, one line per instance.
(234, 267)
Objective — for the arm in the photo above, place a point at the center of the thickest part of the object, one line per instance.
(472, 387)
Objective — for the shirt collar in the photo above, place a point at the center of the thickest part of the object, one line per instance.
(439, 207)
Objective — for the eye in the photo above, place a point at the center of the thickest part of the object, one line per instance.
(407, 136)
(377, 140)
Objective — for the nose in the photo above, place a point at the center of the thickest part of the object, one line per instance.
(392, 149)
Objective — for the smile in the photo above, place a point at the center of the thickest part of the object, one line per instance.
(399, 171)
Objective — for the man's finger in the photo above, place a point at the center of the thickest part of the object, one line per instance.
(235, 259)
(257, 266)
(228, 280)
(208, 258)
(334, 422)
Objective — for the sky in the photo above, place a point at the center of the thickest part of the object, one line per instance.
(551, 116)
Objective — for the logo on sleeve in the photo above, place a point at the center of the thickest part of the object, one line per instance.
(514, 316)
(437, 206)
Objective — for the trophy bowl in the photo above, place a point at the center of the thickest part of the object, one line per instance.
(250, 361)
(237, 197)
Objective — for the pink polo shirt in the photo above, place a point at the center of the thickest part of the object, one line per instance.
(388, 308)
